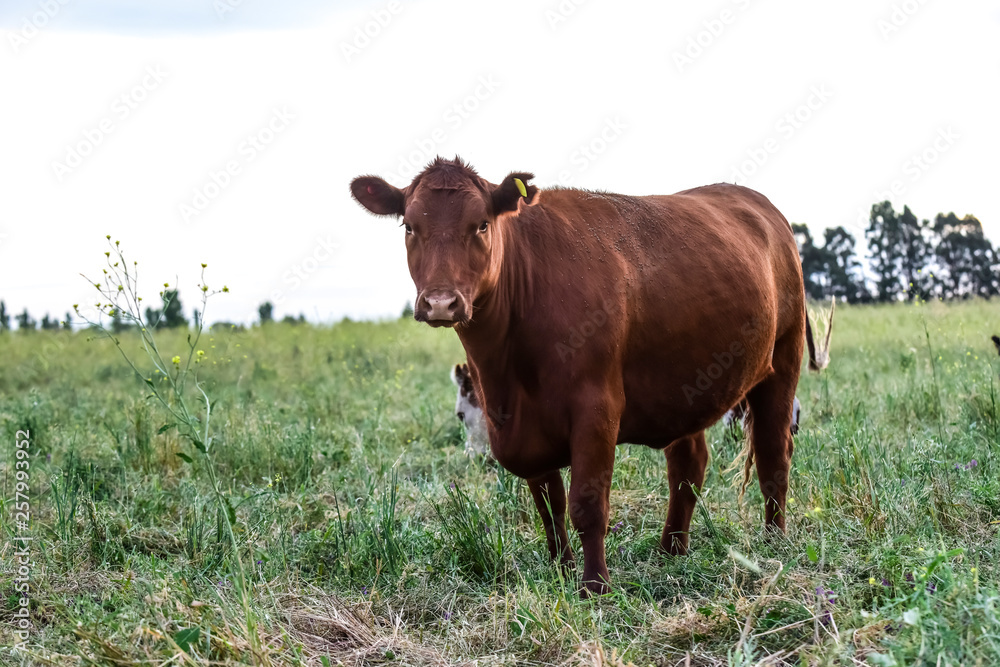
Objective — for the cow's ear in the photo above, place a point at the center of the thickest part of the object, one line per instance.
(458, 374)
(378, 196)
(513, 189)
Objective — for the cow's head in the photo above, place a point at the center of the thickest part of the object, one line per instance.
(453, 221)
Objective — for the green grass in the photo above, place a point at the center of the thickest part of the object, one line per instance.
(370, 538)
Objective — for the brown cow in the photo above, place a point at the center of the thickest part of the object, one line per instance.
(591, 319)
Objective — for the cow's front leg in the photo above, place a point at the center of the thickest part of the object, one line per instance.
(593, 460)
(550, 499)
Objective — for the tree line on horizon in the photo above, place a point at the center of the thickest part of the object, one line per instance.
(907, 258)
(170, 315)
(25, 321)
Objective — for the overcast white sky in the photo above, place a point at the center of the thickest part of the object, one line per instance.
(116, 113)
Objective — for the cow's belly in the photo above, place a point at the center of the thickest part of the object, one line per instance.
(692, 377)
(659, 420)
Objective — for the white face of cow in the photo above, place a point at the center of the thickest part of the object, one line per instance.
(738, 414)
(477, 439)
(796, 411)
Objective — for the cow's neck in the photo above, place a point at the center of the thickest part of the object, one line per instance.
(490, 338)
(487, 337)
(497, 311)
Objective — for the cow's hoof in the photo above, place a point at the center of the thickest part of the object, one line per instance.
(594, 587)
(775, 529)
(775, 535)
(567, 563)
(674, 546)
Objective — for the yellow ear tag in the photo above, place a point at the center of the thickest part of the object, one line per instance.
(521, 188)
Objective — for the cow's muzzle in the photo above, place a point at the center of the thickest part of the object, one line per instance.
(441, 308)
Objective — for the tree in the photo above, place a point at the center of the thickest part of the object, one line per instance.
(49, 324)
(886, 248)
(966, 259)
(4, 317)
(24, 321)
(813, 270)
(171, 314)
(266, 312)
(915, 251)
(841, 264)
(899, 248)
(833, 269)
(117, 324)
(879, 234)
(67, 324)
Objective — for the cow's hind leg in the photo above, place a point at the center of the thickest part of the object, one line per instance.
(771, 404)
(550, 499)
(686, 461)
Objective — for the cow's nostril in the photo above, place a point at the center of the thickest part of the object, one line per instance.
(461, 416)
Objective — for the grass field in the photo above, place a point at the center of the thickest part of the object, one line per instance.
(367, 537)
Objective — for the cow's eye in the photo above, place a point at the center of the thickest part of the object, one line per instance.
(406, 226)
(483, 226)
(461, 416)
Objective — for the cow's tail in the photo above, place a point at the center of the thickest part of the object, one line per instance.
(747, 453)
(820, 359)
